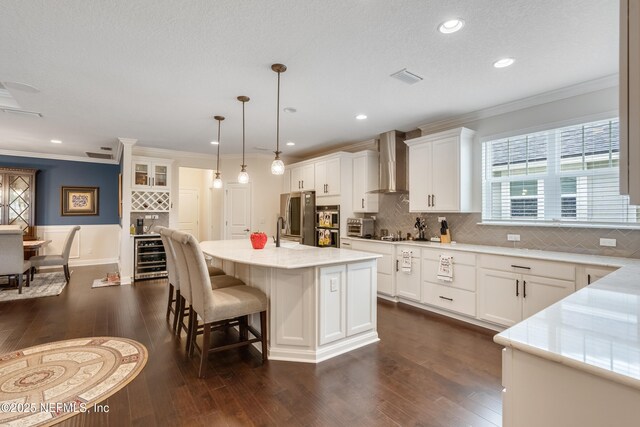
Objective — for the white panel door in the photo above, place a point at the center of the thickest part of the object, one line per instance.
(499, 297)
(445, 165)
(359, 183)
(420, 178)
(188, 211)
(540, 292)
(332, 309)
(237, 211)
(361, 297)
(333, 177)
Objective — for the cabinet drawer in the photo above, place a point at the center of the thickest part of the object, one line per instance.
(535, 267)
(459, 257)
(448, 298)
(464, 276)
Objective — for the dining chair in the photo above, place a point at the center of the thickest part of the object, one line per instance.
(12, 261)
(61, 259)
(219, 308)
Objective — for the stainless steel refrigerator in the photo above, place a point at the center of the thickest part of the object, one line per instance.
(299, 213)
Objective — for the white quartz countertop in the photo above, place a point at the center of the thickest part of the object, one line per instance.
(595, 260)
(595, 329)
(288, 256)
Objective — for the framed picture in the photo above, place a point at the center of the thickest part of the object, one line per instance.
(79, 201)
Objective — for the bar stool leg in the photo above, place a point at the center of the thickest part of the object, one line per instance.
(170, 301)
(178, 311)
(204, 354)
(263, 332)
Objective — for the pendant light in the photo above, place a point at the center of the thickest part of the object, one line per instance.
(277, 167)
(243, 176)
(217, 181)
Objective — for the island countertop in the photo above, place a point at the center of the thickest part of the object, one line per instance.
(594, 330)
(288, 256)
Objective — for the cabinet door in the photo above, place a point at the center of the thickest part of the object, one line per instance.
(286, 181)
(321, 178)
(160, 176)
(332, 304)
(307, 177)
(141, 174)
(540, 292)
(408, 283)
(359, 182)
(498, 300)
(361, 297)
(332, 179)
(296, 179)
(445, 172)
(594, 274)
(419, 178)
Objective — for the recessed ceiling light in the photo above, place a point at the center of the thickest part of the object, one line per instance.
(451, 26)
(214, 142)
(56, 141)
(289, 110)
(291, 143)
(361, 116)
(504, 62)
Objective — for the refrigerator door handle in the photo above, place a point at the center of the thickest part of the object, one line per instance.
(287, 216)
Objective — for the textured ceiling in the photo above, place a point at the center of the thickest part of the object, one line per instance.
(158, 70)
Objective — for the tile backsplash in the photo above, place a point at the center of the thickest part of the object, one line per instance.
(394, 216)
(163, 218)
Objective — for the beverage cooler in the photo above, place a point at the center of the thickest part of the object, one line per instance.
(328, 226)
(149, 260)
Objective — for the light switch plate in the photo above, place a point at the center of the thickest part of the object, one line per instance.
(333, 285)
(611, 243)
(513, 237)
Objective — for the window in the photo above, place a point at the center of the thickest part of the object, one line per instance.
(567, 175)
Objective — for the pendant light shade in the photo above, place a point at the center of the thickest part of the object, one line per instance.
(217, 181)
(243, 176)
(277, 167)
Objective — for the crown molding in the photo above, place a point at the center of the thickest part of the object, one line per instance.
(520, 104)
(140, 150)
(352, 147)
(57, 157)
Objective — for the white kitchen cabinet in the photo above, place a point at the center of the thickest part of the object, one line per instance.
(386, 264)
(327, 177)
(150, 174)
(332, 304)
(507, 297)
(630, 99)
(440, 172)
(303, 178)
(286, 180)
(361, 298)
(408, 282)
(586, 275)
(365, 179)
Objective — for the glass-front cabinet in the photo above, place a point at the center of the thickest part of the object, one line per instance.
(17, 199)
(150, 174)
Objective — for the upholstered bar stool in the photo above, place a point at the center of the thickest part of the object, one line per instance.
(219, 307)
(184, 307)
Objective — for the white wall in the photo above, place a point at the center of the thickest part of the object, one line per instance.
(93, 244)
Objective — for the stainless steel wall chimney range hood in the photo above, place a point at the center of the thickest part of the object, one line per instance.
(393, 163)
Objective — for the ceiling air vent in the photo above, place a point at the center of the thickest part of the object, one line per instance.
(100, 156)
(407, 76)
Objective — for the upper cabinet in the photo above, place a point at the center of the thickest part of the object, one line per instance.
(630, 99)
(440, 172)
(327, 177)
(151, 174)
(365, 179)
(302, 178)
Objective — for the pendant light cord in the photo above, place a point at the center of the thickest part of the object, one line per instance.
(243, 165)
(218, 160)
(278, 120)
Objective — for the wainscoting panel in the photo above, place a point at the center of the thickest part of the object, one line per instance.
(93, 244)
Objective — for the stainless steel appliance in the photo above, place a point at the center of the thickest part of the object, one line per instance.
(299, 210)
(328, 226)
(149, 260)
(360, 227)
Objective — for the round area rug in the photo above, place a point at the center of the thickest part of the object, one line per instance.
(45, 384)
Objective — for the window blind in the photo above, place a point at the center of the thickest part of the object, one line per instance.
(566, 175)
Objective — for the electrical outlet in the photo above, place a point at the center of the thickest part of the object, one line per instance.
(611, 243)
(333, 285)
(148, 216)
(513, 237)
(155, 216)
(442, 218)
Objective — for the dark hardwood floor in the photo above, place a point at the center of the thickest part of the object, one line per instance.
(426, 370)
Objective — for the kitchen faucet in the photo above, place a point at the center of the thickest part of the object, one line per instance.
(278, 228)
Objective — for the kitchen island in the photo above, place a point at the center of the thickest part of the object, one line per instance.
(577, 362)
(322, 301)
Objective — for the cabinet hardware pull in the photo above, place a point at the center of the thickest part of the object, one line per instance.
(448, 299)
(588, 279)
(362, 203)
(524, 288)
(519, 266)
(397, 265)
(433, 200)
(303, 183)
(429, 200)
(517, 283)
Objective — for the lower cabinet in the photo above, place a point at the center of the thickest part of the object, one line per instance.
(386, 264)
(408, 277)
(346, 301)
(586, 275)
(506, 298)
(449, 298)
